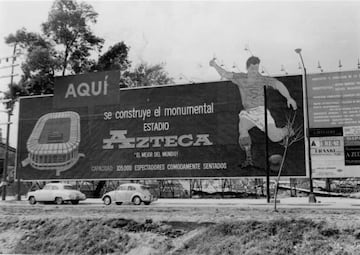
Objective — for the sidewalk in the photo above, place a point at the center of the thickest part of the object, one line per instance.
(328, 202)
(288, 202)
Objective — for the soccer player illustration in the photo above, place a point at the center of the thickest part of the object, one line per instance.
(251, 88)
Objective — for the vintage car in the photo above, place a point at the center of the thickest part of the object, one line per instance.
(129, 193)
(56, 192)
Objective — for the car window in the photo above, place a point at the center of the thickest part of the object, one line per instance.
(144, 187)
(68, 187)
(131, 188)
(55, 188)
(47, 187)
(122, 188)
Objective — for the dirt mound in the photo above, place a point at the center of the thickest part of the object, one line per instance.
(274, 237)
(126, 236)
(85, 236)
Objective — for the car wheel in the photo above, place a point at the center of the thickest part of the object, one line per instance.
(32, 200)
(107, 200)
(58, 200)
(147, 203)
(136, 200)
(118, 203)
(75, 202)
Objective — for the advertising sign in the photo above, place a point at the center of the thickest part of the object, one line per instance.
(327, 155)
(334, 99)
(179, 131)
(87, 89)
(352, 145)
(335, 116)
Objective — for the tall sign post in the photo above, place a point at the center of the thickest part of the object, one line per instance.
(267, 150)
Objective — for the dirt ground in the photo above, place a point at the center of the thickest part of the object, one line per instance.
(90, 229)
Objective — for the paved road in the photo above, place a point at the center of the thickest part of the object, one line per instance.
(290, 202)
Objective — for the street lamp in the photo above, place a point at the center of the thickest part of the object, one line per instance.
(312, 198)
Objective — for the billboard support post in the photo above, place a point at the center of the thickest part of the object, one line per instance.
(18, 189)
(4, 177)
(267, 150)
(312, 198)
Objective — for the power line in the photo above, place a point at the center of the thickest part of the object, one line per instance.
(4, 67)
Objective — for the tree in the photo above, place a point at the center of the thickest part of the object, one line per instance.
(66, 45)
(116, 58)
(25, 39)
(68, 25)
(40, 65)
(149, 75)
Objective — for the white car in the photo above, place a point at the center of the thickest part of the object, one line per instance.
(129, 193)
(355, 195)
(56, 192)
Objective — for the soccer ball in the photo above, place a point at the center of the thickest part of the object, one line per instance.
(275, 162)
(275, 159)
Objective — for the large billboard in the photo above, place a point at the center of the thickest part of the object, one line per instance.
(89, 129)
(334, 117)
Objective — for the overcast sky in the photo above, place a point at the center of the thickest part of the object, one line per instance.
(185, 35)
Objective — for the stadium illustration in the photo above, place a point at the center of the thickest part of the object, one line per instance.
(54, 142)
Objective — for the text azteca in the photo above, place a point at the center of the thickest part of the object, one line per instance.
(118, 138)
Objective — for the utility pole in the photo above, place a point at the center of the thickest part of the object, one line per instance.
(9, 109)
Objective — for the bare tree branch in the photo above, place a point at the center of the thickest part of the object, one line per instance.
(294, 134)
